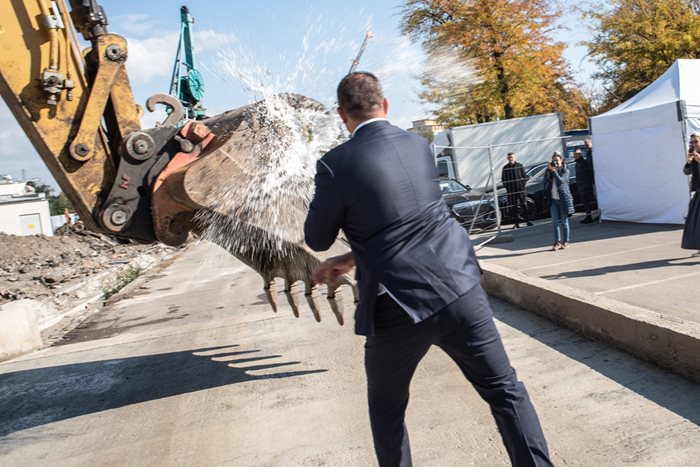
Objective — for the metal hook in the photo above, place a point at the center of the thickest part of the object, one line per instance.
(177, 110)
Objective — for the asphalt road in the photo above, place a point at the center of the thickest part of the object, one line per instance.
(190, 367)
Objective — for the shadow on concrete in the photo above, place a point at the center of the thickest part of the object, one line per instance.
(541, 249)
(661, 387)
(40, 396)
(540, 237)
(661, 263)
(101, 327)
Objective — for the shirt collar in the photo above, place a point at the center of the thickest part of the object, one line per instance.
(367, 122)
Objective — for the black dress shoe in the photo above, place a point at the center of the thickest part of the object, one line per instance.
(530, 224)
(516, 226)
(587, 220)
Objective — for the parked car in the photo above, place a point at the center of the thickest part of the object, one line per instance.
(466, 204)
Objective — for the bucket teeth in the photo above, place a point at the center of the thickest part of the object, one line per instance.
(292, 291)
(335, 300)
(292, 297)
(312, 299)
(271, 293)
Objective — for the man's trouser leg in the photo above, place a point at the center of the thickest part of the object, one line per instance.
(522, 206)
(469, 336)
(391, 358)
(512, 210)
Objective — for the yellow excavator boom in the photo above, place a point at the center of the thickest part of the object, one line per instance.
(77, 108)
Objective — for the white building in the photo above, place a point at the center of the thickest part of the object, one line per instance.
(22, 211)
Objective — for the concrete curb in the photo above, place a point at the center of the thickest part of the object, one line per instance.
(667, 341)
(19, 332)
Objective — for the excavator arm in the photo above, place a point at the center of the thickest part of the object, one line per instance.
(155, 184)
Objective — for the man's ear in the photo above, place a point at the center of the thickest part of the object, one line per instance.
(343, 115)
(385, 106)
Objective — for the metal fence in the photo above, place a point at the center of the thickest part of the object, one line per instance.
(479, 169)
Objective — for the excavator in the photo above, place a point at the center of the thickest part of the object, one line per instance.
(164, 183)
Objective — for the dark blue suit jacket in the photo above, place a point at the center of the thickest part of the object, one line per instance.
(381, 187)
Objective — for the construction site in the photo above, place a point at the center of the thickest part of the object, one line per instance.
(174, 318)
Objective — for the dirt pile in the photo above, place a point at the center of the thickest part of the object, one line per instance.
(44, 268)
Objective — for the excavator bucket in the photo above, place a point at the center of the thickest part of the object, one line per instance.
(246, 186)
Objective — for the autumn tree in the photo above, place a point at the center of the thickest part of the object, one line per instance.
(57, 203)
(637, 40)
(521, 69)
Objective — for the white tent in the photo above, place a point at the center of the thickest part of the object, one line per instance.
(640, 146)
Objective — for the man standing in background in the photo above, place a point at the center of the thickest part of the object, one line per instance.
(584, 182)
(514, 178)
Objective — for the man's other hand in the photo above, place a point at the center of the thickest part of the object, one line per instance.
(329, 270)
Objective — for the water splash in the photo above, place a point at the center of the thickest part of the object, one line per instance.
(264, 204)
(265, 210)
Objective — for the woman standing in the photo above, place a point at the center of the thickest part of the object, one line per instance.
(561, 203)
(691, 230)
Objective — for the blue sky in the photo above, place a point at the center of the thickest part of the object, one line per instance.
(274, 45)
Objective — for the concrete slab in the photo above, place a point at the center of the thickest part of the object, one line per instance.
(629, 285)
(207, 375)
(639, 264)
(19, 328)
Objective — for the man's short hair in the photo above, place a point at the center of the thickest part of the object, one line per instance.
(360, 95)
(510, 154)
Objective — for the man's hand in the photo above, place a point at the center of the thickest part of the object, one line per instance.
(329, 270)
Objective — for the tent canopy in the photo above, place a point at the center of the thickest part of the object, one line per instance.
(640, 149)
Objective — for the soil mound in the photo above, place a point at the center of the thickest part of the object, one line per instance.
(40, 267)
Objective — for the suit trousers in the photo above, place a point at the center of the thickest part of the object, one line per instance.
(517, 206)
(466, 332)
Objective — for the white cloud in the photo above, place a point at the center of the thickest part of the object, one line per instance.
(17, 155)
(133, 25)
(208, 39)
(152, 58)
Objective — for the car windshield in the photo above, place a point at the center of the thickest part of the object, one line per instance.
(451, 186)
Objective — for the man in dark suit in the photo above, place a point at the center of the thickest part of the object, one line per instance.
(514, 178)
(418, 276)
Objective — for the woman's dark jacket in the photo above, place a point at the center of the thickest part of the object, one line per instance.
(561, 178)
(693, 169)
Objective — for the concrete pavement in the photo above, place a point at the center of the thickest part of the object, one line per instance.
(629, 285)
(190, 367)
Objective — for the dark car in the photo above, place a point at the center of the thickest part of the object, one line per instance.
(467, 205)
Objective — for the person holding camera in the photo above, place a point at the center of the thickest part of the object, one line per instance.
(561, 202)
(691, 229)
